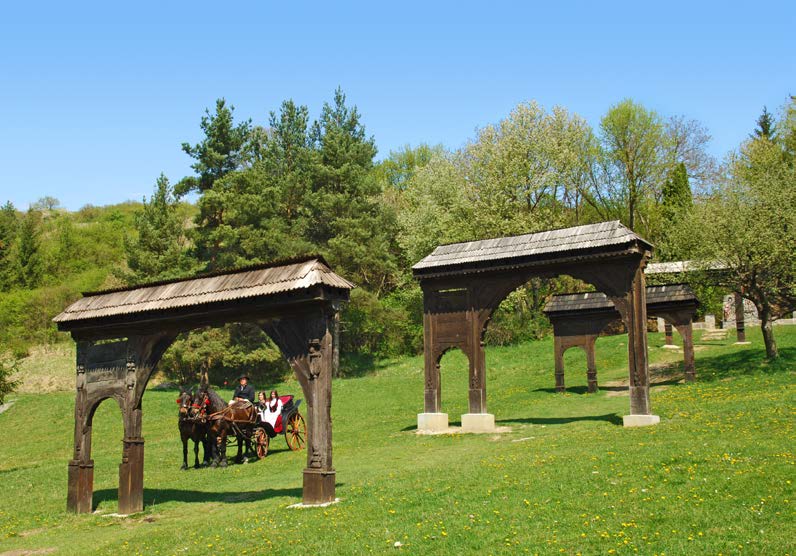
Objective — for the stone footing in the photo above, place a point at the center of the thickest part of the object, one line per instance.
(640, 420)
(432, 422)
(478, 422)
(742, 343)
(318, 487)
(670, 346)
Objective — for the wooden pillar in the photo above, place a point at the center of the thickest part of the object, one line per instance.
(307, 342)
(477, 357)
(687, 333)
(591, 365)
(669, 339)
(636, 321)
(319, 476)
(740, 329)
(558, 349)
(433, 395)
(80, 489)
(131, 470)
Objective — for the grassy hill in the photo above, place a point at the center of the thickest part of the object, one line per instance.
(716, 476)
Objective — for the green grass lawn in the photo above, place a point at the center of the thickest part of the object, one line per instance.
(714, 477)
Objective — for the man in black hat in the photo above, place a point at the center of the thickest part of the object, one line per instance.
(243, 391)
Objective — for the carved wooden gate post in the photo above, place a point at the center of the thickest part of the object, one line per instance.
(591, 365)
(687, 334)
(81, 466)
(307, 342)
(636, 322)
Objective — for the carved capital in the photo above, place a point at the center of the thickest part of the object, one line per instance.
(315, 355)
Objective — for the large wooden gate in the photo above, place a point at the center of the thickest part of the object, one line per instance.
(122, 334)
(463, 284)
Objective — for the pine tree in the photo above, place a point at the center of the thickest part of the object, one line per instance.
(224, 149)
(8, 231)
(28, 256)
(160, 250)
(677, 197)
(765, 126)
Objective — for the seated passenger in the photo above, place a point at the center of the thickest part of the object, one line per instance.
(271, 411)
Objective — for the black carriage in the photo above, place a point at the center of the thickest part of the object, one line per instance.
(290, 423)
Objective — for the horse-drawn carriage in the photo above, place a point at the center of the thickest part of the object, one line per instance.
(290, 423)
(205, 414)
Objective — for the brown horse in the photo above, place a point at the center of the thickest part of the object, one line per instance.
(237, 419)
(191, 428)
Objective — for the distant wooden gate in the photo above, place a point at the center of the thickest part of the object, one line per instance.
(464, 283)
(122, 334)
(579, 319)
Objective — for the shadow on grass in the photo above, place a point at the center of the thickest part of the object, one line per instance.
(356, 365)
(612, 418)
(109, 497)
(743, 362)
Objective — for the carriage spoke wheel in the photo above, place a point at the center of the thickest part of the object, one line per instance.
(296, 432)
(261, 442)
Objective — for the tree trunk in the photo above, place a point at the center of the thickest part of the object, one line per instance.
(768, 335)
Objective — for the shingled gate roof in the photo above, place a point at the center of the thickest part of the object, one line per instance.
(609, 236)
(593, 301)
(251, 282)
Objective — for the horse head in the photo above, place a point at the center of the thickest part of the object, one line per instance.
(184, 401)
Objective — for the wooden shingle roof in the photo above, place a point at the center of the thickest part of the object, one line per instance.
(608, 236)
(253, 282)
(597, 301)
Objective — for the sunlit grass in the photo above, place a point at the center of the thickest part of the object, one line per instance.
(714, 477)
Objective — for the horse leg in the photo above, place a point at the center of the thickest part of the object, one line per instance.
(184, 452)
(239, 457)
(222, 446)
(196, 454)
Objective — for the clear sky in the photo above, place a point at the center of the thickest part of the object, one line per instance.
(95, 99)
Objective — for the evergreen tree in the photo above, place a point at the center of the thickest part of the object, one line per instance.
(8, 231)
(160, 249)
(224, 149)
(28, 256)
(765, 126)
(677, 197)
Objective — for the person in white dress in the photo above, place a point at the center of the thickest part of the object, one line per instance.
(270, 410)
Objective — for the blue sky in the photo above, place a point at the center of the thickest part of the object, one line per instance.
(95, 99)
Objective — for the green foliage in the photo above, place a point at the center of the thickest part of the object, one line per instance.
(8, 367)
(159, 250)
(749, 224)
(765, 126)
(28, 257)
(8, 232)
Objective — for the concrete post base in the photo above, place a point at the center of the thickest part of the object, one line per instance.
(640, 420)
(670, 346)
(432, 422)
(478, 422)
(742, 343)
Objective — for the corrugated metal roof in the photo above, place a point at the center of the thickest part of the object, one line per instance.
(569, 240)
(247, 283)
(576, 302)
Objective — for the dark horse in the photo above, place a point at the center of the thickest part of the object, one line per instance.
(224, 420)
(191, 428)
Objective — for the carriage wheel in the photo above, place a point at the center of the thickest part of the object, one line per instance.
(261, 442)
(296, 432)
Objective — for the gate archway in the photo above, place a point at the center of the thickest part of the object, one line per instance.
(122, 334)
(463, 284)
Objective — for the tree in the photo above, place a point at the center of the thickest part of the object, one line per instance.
(8, 367)
(224, 149)
(46, 204)
(159, 251)
(765, 126)
(749, 225)
(8, 232)
(28, 256)
(634, 142)
(677, 199)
